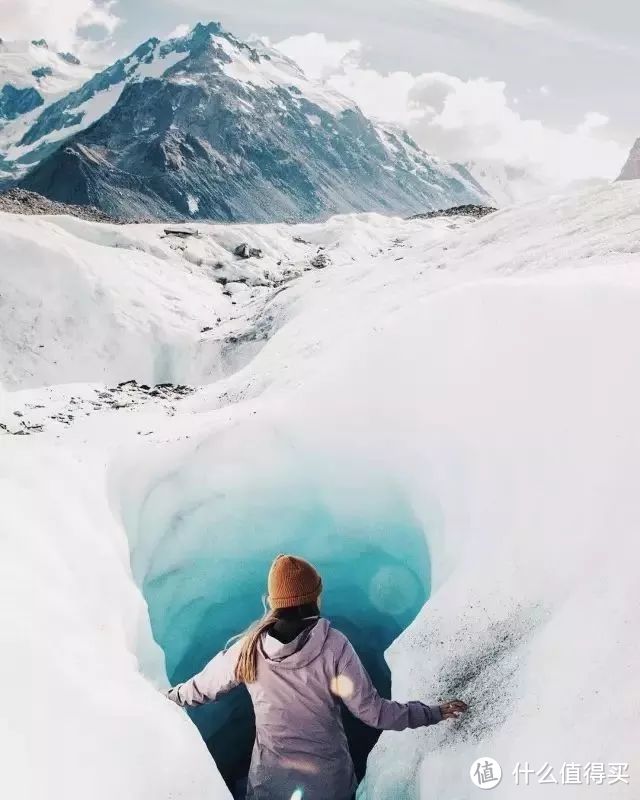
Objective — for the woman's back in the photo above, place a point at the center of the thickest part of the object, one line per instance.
(300, 742)
(298, 670)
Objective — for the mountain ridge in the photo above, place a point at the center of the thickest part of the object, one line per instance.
(206, 126)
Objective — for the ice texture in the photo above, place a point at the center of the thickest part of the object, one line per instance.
(205, 536)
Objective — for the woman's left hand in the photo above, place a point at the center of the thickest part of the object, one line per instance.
(453, 708)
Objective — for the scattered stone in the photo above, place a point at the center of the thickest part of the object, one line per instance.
(468, 210)
(183, 233)
(70, 58)
(244, 251)
(127, 394)
(41, 72)
(320, 261)
(206, 329)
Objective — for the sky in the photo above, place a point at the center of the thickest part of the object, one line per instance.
(548, 87)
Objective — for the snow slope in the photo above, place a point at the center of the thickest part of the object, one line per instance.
(32, 76)
(34, 65)
(487, 371)
(122, 301)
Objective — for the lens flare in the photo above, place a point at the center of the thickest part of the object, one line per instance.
(394, 589)
(299, 765)
(341, 686)
(298, 794)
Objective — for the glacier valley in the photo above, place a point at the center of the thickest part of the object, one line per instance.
(442, 413)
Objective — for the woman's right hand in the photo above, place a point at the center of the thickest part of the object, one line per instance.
(453, 708)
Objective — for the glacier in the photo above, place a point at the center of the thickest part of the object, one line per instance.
(444, 417)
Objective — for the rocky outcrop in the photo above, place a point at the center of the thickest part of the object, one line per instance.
(457, 211)
(19, 201)
(14, 102)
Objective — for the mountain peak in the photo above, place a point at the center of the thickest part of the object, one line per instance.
(206, 125)
(206, 28)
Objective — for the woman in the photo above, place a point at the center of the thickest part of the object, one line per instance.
(298, 669)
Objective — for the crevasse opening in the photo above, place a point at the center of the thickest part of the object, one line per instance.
(202, 548)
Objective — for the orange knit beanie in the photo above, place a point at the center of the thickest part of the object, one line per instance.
(292, 582)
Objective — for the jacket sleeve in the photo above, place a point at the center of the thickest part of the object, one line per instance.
(354, 687)
(215, 680)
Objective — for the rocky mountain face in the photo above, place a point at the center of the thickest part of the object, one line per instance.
(206, 126)
(631, 169)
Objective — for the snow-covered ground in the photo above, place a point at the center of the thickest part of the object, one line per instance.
(484, 374)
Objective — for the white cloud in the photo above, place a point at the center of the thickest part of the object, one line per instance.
(320, 57)
(515, 15)
(179, 31)
(61, 24)
(465, 120)
(498, 10)
(593, 120)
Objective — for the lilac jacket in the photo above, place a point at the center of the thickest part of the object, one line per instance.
(300, 742)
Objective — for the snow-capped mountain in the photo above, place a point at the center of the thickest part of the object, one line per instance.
(631, 169)
(207, 126)
(32, 75)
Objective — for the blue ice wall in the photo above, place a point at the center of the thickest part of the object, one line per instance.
(205, 575)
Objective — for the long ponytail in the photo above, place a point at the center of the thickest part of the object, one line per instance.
(292, 584)
(247, 664)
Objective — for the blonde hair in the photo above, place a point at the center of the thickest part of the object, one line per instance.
(291, 582)
(246, 670)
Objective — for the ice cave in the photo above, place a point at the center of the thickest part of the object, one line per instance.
(202, 541)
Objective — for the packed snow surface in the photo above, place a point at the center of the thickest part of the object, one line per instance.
(475, 382)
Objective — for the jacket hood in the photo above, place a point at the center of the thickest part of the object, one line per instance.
(301, 651)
